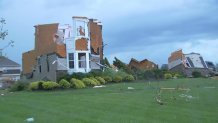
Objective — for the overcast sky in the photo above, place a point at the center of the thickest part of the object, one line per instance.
(142, 29)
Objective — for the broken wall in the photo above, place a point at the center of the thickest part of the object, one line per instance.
(81, 44)
(28, 61)
(96, 38)
(44, 44)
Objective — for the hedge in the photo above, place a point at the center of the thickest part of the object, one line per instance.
(101, 80)
(76, 83)
(64, 84)
(89, 82)
(129, 78)
(107, 79)
(117, 78)
(49, 85)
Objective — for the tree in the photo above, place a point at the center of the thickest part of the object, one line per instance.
(106, 62)
(121, 65)
(3, 33)
(118, 63)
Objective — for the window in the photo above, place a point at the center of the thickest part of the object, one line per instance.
(82, 60)
(71, 60)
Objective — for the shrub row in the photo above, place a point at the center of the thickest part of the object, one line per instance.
(64, 84)
(172, 75)
(79, 80)
(42, 85)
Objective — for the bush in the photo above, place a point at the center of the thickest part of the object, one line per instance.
(129, 78)
(49, 85)
(101, 80)
(117, 78)
(95, 80)
(107, 79)
(89, 82)
(19, 86)
(148, 74)
(121, 73)
(36, 85)
(177, 75)
(196, 74)
(76, 83)
(168, 76)
(64, 83)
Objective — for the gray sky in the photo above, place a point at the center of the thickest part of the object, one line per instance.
(141, 29)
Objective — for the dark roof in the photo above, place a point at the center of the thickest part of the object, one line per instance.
(14, 71)
(5, 62)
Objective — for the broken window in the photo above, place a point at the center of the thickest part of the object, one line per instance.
(71, 60)
(82, 60)
(80, 27)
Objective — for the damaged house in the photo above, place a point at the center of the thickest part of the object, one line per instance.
(142, 65)
(61, 49)
(187, 63)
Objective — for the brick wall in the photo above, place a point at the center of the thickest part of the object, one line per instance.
(44, 44)
(96, 38)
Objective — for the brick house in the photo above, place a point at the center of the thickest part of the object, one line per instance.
(142, 65)
(187, 63)
(61, 49)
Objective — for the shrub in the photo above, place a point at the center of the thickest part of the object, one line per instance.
(64, 83)
(168, 76)
(117, 78)
(76, 83)
(177, 75)
(49, 85)
(196, 74)
(121, 73)
(34, 86)
(89, 82)
(158, 74)
(95, 80)
(107, 79)
(129, 78)
(101, 80)
(19, 86)
(148, 74)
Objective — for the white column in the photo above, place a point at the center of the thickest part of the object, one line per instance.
(87, 62)
(76, 63)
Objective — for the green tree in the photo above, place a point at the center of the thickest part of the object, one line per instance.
(121, 65)
(106, 62)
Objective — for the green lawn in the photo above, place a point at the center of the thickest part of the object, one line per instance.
(116, 104)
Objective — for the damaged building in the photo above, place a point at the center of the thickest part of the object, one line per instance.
(187, 63)
(61, 49)
(142, 65)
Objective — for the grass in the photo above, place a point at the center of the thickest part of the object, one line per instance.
(115, 104)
